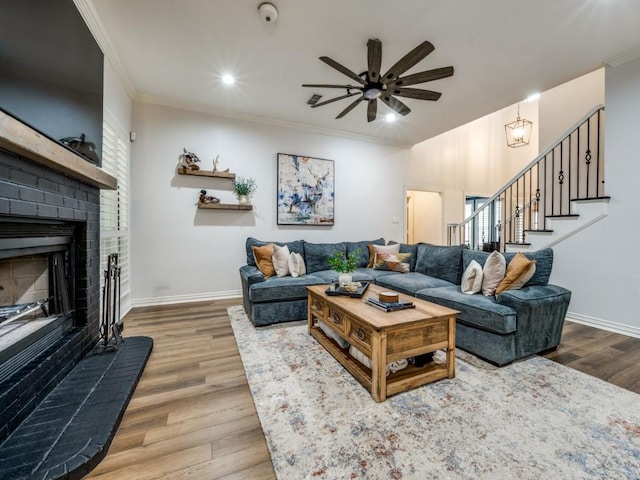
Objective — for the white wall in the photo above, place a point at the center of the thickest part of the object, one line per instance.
(180, 253)
(473, 159)
(600, 264)
(576, 98)
(116, 101)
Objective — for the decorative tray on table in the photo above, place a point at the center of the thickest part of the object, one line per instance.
(356, 290)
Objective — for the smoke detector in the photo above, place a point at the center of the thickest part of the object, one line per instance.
(268, 12)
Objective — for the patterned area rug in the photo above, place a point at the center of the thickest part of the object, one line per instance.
(530, 420)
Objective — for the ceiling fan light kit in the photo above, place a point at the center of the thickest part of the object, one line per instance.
(371, 86)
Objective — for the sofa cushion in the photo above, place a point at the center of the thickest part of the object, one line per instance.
(476, 310)
(411, 248)
(395, 262)
(282, 288)
(295, 246)
(411, 282)
(543, 258)
(519, 271)
(316, 255)
(364, 251)
(472, 279)
(493, 272)
(280, 259)
(296, 265)
(441, 262)
(263, 257)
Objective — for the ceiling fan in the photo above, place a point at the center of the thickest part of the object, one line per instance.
(372, 86)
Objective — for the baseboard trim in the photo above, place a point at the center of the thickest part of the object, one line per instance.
(604, 324)
(196, 297)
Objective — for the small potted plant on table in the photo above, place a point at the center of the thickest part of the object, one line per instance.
(344, 265)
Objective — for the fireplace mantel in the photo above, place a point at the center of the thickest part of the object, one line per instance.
(29, 143)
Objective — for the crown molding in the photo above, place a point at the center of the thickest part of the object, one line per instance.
(624, 57)
(92, 19)
(164, 102)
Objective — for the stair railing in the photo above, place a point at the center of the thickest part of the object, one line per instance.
(570, 169)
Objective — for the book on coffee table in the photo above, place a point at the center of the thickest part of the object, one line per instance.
(390, 306)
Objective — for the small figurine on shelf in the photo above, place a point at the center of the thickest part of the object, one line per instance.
(215, 165)
(188, 160)
(204, 198)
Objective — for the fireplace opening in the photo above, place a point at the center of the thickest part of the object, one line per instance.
(36, 265)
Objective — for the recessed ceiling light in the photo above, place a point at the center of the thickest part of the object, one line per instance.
(228, 79)
(533, 97)
(391, 117)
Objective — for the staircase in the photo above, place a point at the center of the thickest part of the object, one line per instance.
(558, 194)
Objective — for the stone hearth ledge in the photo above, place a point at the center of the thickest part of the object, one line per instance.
(68, 434)
(17, 137)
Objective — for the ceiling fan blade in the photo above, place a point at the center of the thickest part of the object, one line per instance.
(342, 69)
(335, 99)
(374, 59)
(422, 77)
(349, 108)
(395, 104)
(415, 93)
(347, 87)
(408, 61)
(372, 110)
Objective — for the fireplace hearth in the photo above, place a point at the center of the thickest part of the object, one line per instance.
(50, 257)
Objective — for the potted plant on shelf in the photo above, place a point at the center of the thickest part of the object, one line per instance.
(344, 265)
(244, 188)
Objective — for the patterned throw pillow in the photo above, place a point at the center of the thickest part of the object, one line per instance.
(379, 249)
(394, 262)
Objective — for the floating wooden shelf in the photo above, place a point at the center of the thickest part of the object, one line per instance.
(225, 206)
(206, 173)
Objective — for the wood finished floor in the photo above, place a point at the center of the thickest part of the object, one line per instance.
(192, 415)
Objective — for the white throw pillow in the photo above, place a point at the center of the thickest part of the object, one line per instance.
(296, 265)
(472, 278)
(280, 258)
(493, 273)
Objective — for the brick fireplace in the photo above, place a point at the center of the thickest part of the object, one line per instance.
(46, 192)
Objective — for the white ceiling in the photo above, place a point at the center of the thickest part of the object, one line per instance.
(174, 52)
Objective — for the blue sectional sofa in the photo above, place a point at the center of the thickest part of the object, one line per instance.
(516, 324)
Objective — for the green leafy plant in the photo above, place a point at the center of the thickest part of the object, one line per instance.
(342, 263)
(244, 185)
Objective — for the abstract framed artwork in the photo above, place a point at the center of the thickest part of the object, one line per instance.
(305, 190)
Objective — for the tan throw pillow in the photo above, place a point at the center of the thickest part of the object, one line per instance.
(372, 256)
(280, 259)
(493, 273)
(263, 257)
(296, 265)
(519, 271)
(394, 262)
(378, 249)
(472, 278)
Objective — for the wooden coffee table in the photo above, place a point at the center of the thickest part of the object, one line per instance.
(384, 337)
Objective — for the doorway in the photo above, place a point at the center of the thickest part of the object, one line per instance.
(424, 217)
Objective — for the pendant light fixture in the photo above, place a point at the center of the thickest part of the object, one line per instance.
(519, 132)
